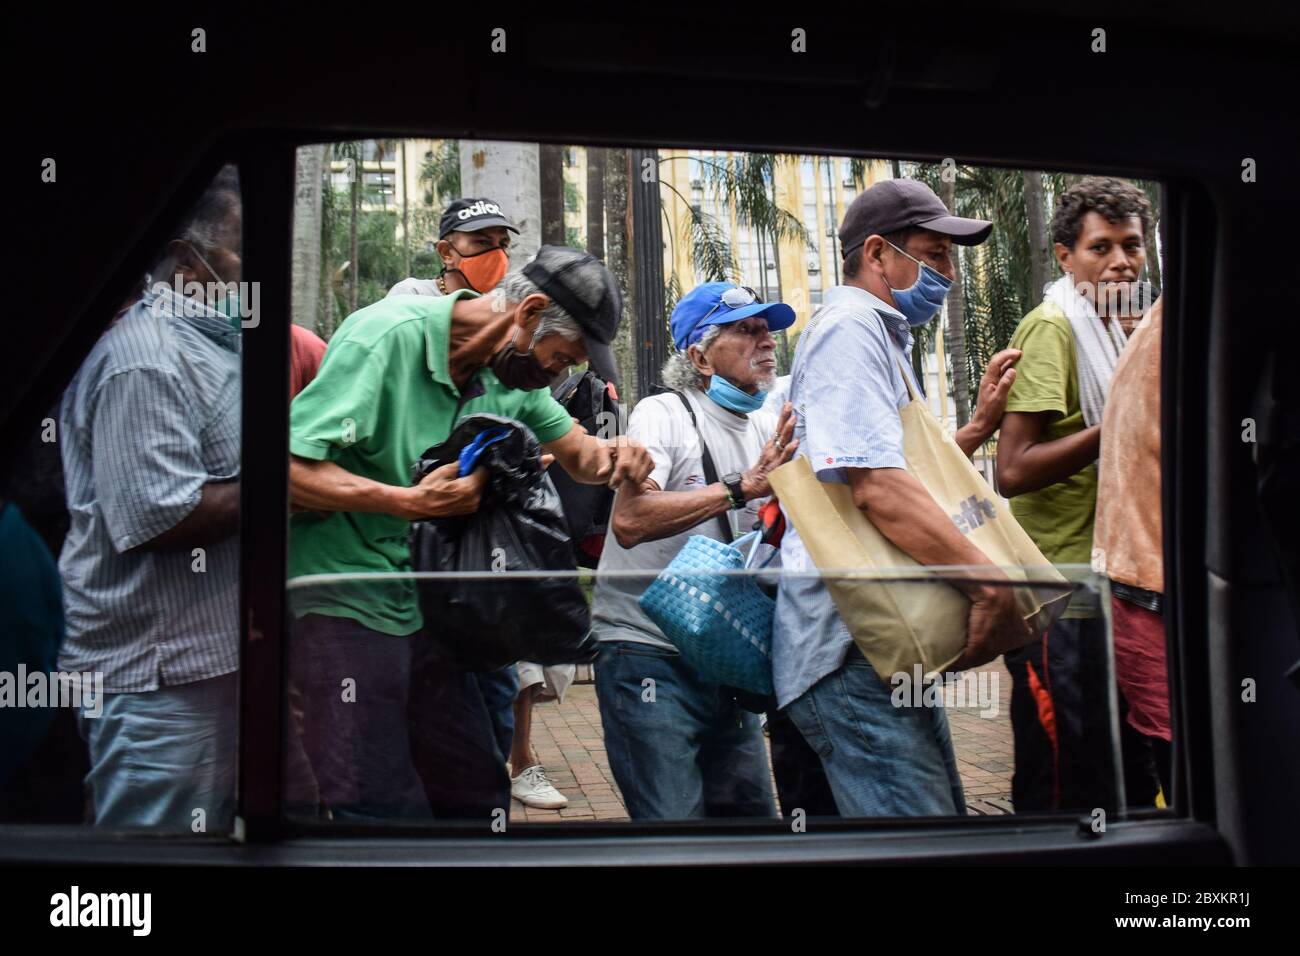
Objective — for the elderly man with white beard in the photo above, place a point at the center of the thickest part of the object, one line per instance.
(691, 752)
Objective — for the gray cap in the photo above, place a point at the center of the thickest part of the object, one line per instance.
(581, 285)
(898, 203)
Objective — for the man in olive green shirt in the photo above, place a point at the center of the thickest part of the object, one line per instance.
(1047, 466)
(396, 377)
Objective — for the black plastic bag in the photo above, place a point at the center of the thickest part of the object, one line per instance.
(588, 398)
(480, 625)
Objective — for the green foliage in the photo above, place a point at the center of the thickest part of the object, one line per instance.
(672, 293)
(572, 198)
(711, 253)
(744, 183)
(440, 173)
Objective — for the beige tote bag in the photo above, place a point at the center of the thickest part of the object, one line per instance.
(902, 613)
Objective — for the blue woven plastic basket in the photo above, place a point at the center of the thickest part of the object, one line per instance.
(721, 623)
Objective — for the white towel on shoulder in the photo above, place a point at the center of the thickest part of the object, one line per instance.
(1097, 346)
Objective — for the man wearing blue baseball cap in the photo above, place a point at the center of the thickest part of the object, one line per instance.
(692, 752)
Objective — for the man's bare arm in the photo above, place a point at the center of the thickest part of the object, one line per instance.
(214, 518)
(903, 511)
(644, 513)
(326, 486)
(601, 461)
(648, 514)
(1027, 463)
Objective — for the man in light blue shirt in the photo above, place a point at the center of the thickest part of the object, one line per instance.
(847, 387)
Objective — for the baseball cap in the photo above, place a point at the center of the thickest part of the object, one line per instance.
(898, 203)
(581, 285)
(704, 306)
(468, 215)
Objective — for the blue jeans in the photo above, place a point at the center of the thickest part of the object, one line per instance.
(881, 760)
(158, 756)
(686, 751)
(499, 689)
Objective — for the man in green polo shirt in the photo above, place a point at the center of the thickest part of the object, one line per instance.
(1047, 466)
(396, 377)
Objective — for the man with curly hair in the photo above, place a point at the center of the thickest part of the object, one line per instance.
(1047, 466)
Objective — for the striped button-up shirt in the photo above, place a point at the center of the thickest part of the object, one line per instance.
(846, 386)
(152, 416)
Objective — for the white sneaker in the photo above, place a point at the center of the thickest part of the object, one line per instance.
(532, 789)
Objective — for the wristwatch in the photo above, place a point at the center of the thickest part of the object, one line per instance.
(735, 491)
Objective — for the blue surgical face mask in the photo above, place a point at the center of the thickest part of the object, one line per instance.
(921, 301)
(728, 396)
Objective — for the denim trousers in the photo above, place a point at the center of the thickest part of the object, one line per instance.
(881, 760)
(679, 748)
(165, 758)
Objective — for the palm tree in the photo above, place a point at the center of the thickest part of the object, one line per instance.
(619, 260)
(744, 184)
(550, 174)
(440, 173)
(305, 290)
(596, 201)
(1040, 265)
(956, 337)
(508, 173)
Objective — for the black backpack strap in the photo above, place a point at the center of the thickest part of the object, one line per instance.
(710, 472)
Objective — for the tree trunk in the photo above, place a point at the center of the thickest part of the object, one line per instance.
(507, 174)
(357, 176)
(327, 249)
(957, 323)
(1040, 256)
(306, 264)
(550, 174)
(619, 260)
(596, 201)
(646, 228)
(1153, 192)
(406, 218)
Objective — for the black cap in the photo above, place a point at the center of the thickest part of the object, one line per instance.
(468, 215)
(580, 284)
(895, 204)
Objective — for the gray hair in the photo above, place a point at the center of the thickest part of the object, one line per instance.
(679, 372)
(212, 221)
(516, 287)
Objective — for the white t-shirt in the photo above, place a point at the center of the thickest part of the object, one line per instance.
(661, 423)
(415, 286)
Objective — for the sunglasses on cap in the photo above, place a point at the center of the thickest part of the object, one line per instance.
(741, 295)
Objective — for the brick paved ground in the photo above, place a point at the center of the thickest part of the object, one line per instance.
(568, 741)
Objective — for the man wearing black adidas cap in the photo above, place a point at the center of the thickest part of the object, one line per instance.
(474, 245)
(396, 377)
(847, 387)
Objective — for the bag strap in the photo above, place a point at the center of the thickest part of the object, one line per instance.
(710, 472)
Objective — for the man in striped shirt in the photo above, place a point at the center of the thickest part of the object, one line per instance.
(150, 435)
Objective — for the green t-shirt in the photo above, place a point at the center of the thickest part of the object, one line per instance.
(384, 395)
(1059, 517)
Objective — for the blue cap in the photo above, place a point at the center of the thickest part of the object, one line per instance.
(703, 306)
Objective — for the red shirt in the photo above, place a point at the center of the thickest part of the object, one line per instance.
(306, 349)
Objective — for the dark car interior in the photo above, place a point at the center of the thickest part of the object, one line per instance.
(138, 124)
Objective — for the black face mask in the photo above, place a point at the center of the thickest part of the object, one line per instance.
(515, 369)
